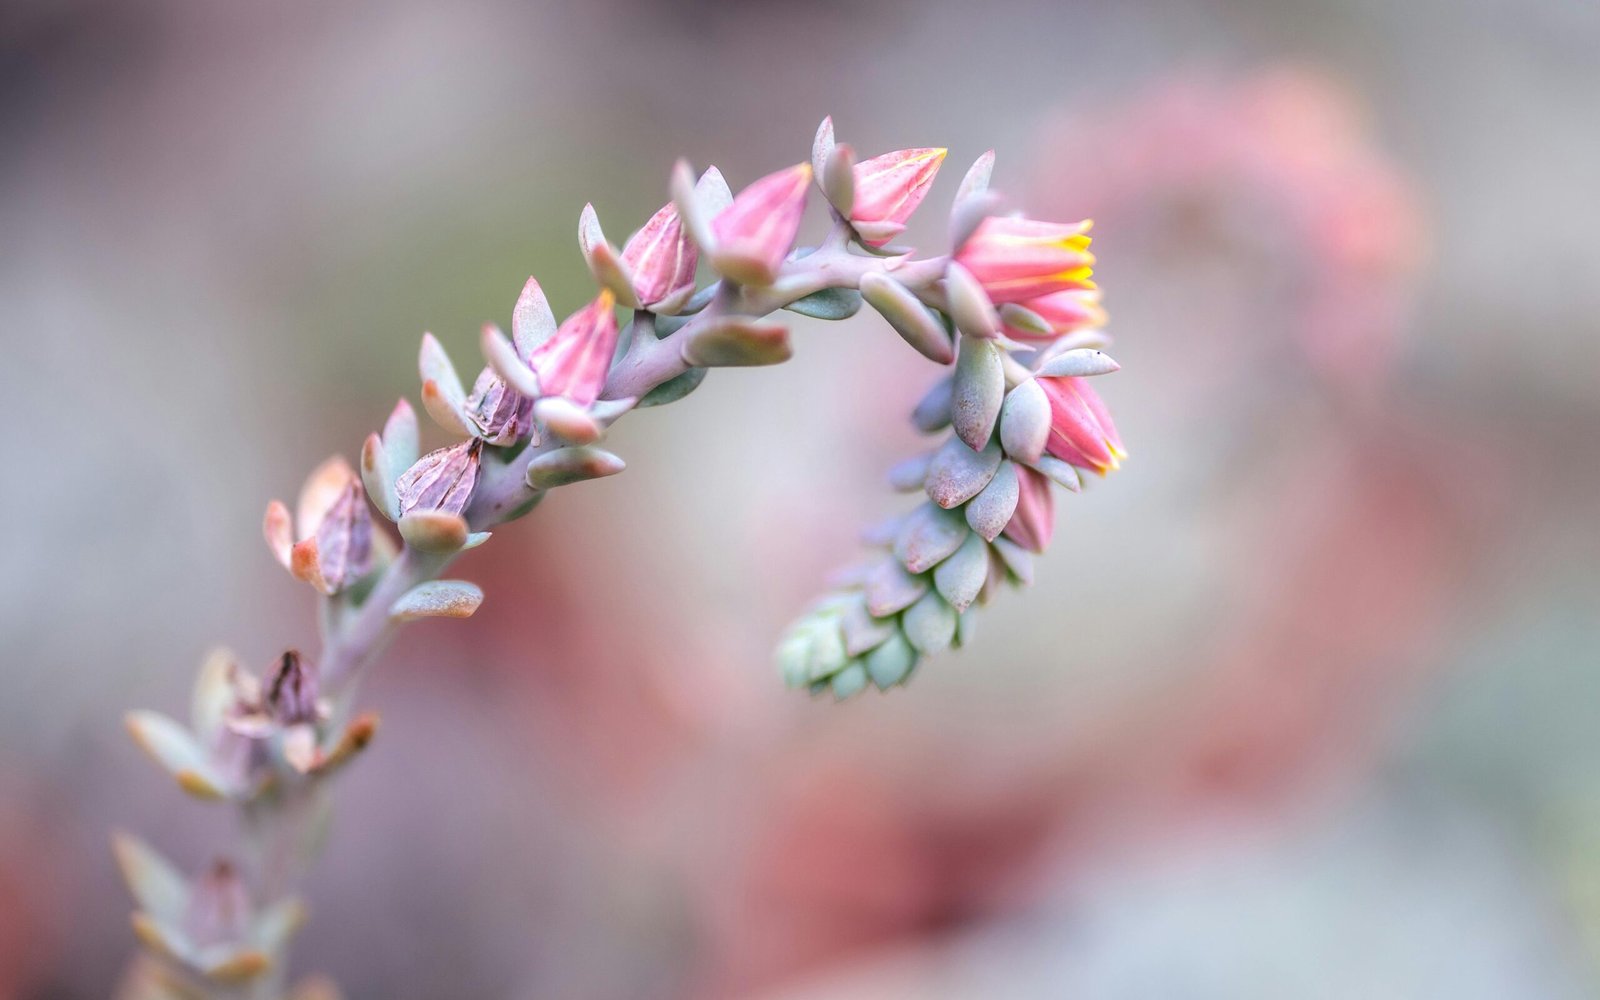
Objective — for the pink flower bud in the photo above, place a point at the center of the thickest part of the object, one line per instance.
(1081, 431)
(440, 480)
(890, 187)
(662, 260)
(573, 363)
(1034, 520)
(1020, 259)
(756, 232)
(1064, 312)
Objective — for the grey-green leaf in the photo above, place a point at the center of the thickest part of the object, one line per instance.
(1025, 422)
(916, 324)
(736, 342)
(929, 624)
(928, 536)
(157, 885)
(830, 303)
(960, 577)
(890, 588)
(1018, 560)
(957, 473)
(970, 308)
(849, 681)
(932, 412)
(990, 511)
(892, 662)
(674, 389)
(1079, 363)
(1061, 473)
(979, 389)
(908, 475)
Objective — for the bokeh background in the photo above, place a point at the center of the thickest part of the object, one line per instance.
(1303, 704)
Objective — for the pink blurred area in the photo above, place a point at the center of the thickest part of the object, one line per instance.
(1300, 706)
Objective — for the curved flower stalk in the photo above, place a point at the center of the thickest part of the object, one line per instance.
(1011, 306)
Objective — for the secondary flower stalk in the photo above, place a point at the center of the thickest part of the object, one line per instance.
(1020, 416)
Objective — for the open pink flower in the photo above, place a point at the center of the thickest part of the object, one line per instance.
(1020, 259)
(1081, 430)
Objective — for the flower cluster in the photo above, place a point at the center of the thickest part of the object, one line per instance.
(1011, 306)
(1020, 297)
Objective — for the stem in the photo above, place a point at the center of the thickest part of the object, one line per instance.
(279, 826)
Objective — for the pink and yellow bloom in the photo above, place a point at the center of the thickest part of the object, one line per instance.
(574, 362)
(889, 188)
(1020, 259)
(1081, 430)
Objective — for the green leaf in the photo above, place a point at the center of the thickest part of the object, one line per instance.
(674, 389)
(830, 303)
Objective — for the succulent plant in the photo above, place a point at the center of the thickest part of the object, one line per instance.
(1010, 309)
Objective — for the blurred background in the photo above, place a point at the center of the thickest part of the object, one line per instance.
(1302, 705)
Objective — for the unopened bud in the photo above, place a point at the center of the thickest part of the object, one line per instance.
(574, 362)
(662, 260)
(1034, 519)
(501, 414)
(292, 694)
(441, 480)
(889, 188)
(756, 232)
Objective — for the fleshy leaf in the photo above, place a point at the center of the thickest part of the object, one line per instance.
(980, 386)
(916, 324)
(434, 530)
(929, 536)
(566, 420)
(572, 465)
(605, 261)
(400, 436)
(957, 473)
(1025, 422)
(830, 303)
(159, 888)
(736, 341)
(437, 599)
(932, 412)
(960, 578)
(1078, 363)
(990, 511)
(929, 624)
(532, 320)
(890, 589)
(177, 751)
(970, 308)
